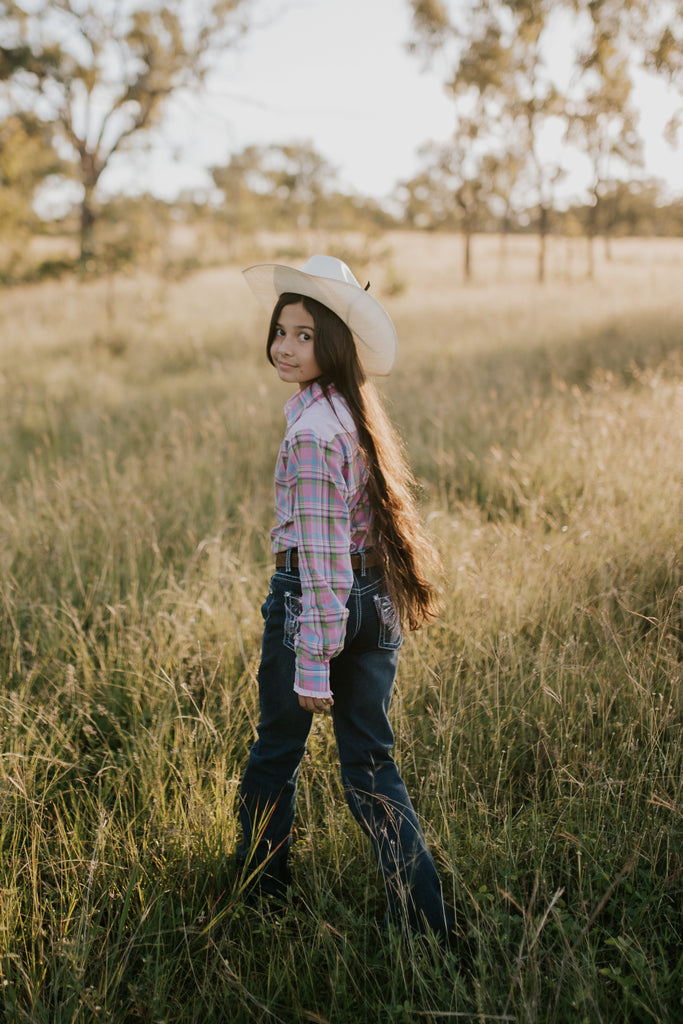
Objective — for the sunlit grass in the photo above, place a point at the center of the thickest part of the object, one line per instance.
(538, 723)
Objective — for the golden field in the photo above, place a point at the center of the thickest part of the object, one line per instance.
(538, 723)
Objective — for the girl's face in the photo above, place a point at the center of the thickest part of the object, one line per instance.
(292, 349)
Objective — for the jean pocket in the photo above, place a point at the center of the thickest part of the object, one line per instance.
(390, 635)
(293, 609)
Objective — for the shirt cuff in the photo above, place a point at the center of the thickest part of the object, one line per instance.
(312, 678)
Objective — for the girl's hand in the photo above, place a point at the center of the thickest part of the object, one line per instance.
(318, 705)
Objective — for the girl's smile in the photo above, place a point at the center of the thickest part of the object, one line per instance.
(292, 350)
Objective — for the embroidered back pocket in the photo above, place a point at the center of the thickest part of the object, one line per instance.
(390, 635)
(293, 609)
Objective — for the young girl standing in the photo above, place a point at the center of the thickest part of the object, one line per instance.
(348, 549)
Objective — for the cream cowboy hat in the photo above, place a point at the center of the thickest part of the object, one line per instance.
(330, 281)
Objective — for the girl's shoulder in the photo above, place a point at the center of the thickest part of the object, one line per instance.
(325, 418)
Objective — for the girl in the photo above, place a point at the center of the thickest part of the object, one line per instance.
(348, 549)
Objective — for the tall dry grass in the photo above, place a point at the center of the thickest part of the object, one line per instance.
(538, 724)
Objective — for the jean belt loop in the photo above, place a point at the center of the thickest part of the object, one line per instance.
(362, 563)
(288, 566)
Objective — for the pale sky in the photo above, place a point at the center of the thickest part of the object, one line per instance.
(335, 73)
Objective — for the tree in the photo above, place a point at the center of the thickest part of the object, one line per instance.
(426, 202)
(502, 173)
(27, 158)
(101, 71)
(246, 190)
(302, 179)
(499, 81)
(665, 45)
(635, 208)
(603, 123)
(496, 50)
(450, 190)
(287, 184)
(648, 35)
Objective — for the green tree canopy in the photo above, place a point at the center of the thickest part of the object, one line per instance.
(499, 77)
(284, 184)
(501, 84)
(27, 159)
(100, 71)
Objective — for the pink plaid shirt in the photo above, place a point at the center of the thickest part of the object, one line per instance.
(321, 508)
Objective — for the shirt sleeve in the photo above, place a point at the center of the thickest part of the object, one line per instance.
(323, 531)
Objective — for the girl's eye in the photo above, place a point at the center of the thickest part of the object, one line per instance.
(304, 336)
(279, 333)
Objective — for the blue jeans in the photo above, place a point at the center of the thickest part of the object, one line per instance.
(362, 679)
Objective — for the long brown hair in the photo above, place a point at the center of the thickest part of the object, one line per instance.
(398, 532)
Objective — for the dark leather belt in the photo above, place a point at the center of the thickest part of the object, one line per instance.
(371, 558)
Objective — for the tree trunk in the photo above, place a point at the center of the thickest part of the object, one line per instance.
(467, 240)
(590, 255)
(542, 237)
(503, 245)
(591, 232)
(87, 226)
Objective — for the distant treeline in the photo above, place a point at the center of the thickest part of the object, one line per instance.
(178, 237)
(187, 231)
(79, 88)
